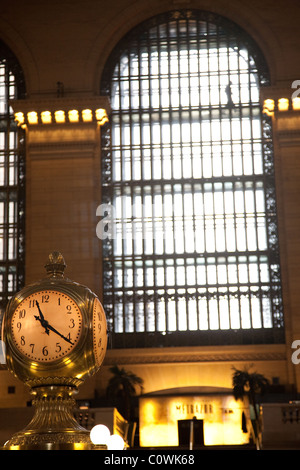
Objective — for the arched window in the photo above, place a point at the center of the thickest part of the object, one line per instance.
(12, 179)
(190, 244)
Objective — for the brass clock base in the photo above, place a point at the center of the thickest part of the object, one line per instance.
(53, 426)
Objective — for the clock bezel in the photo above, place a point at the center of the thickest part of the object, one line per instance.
(37, 329)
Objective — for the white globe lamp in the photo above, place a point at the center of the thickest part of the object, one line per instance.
(115, 442)
(99, 434)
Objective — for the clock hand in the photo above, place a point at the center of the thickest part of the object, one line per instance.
(45, 324)
(59, 334)
(41, 319)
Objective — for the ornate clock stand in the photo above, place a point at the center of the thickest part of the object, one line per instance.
(53, 426)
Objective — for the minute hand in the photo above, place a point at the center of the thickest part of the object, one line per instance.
(59, 334)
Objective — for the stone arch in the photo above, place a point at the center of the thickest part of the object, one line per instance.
(130, 17)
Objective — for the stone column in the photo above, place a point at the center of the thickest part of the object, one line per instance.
(283, 106)
(63, 183)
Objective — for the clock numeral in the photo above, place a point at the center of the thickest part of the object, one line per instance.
(99, 315)
(45, 351)
(69, 309)
(22, 313)
(45, 300)
(19, 326)
(72, 323)
(22, 340)
(32, 347)
(58, 348)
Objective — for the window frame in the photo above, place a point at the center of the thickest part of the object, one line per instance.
(12, 186)
(155, 337)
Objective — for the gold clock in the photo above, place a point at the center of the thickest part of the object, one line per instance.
(46, 326)
(55, 334)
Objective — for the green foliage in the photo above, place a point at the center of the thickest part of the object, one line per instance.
(122, 386)
(246, 383)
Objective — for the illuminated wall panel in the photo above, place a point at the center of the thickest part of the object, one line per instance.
(221, 414)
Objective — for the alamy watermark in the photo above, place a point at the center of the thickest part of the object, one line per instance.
(106, 227)
(146, 221)
(296, 93)
(296, 354)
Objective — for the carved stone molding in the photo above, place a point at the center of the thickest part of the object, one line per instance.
(65, 103)
(196, 354)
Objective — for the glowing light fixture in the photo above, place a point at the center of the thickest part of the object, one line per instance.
(99, 434)
(87, 115)
(101, 116)
(46, 117)
(283, 104)
(73, 115)
(115, 442)
(296, 103)
(19, 117)
(32, 117)
(268, 107)
(60, 116)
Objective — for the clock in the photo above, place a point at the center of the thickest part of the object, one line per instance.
(46, 326)
(55, 335)
(99, 332)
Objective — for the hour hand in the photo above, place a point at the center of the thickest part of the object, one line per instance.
(41, 319)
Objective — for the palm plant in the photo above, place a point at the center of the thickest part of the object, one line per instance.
(122, 385)
(249, 384)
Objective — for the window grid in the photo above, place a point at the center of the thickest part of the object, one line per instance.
(188, 171)
(12, 180)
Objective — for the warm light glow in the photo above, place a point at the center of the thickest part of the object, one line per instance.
(269, 104)
(101, 116)
(46, 117)
(73, 115)
(79, 446)
(19, 117)
(221, 415)
(32, 117)
(296, 103)
(283, 104)
(34, 365)
(268, 107)
(59, 116)
(87, 115)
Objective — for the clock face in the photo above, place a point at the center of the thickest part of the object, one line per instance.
(46, 326)
(99, 332)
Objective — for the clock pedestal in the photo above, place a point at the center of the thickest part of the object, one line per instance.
(53, 426)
